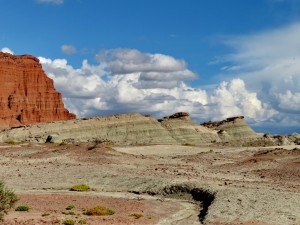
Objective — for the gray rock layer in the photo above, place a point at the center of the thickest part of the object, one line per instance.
(127, 129)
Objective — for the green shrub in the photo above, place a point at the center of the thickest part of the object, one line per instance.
(7, 199)
(69, 213)
(99, 210)
(69, 207)
(68, 222)
(136, 215)
(82, 222)
(80, 187)
(22, 208)
(11, 142)
(46, 214)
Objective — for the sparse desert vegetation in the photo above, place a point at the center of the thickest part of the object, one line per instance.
(69, 213)
(69, 222)
(80, 187)
(7, 199)
(69, 207)
(22, 208)
(82, 221)
(99, 210)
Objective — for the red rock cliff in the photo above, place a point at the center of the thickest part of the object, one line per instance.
(27, 95)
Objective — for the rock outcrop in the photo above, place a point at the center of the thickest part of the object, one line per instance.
(124, 129)
(185, 131)
(233, 128)
(137, 129)
(27, 95)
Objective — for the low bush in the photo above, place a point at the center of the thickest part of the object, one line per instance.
(69, 213)
(7, 199)
(68, 222)
(99, 210)
(69, 207)
(80, 187)
(82, 222)
(22, 208)
(11, 142)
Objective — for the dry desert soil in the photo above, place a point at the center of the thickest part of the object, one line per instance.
(164, 184)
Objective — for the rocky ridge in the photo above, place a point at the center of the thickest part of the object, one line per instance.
(137, 129)
(27, 95)
(128, 129)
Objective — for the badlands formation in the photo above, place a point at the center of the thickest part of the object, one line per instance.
(150, 171)
(137, 129)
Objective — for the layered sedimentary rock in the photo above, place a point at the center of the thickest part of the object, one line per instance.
(137, 129)
(27, 95)
(185, 131)
(233, 128)
(128, 129)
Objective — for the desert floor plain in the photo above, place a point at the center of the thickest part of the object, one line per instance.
(163, 184)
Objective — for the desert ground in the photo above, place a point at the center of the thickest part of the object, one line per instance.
(164, 184)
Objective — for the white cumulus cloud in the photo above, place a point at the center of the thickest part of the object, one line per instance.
(232, 98)
(155, 70)
(122, 61)
(113, 87)
(7, 50)
(269, 63)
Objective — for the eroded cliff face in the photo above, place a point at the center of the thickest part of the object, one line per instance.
(185, 131)
(233, 128)
(27, 95)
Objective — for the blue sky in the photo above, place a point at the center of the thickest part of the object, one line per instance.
(212, 58)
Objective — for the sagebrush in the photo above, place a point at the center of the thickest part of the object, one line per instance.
(99, 210)
(80, 187)
(7, 199)
(22, 208)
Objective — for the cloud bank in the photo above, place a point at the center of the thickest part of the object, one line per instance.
(127, 80)
(269, 62)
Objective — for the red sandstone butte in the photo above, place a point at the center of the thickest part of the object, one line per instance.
(27, 95)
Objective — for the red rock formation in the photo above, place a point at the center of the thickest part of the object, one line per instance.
(27, 95)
